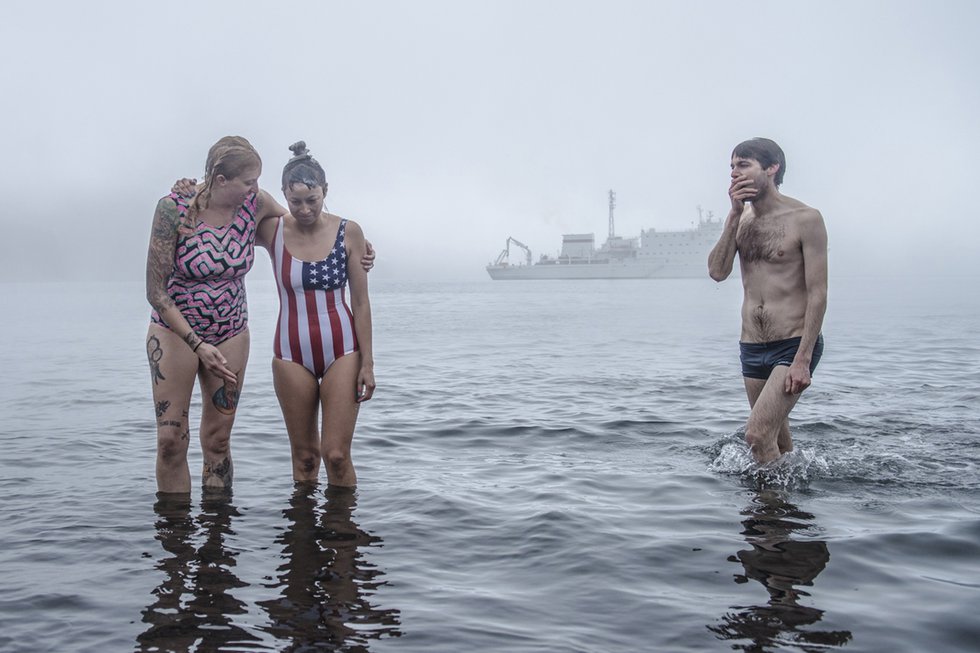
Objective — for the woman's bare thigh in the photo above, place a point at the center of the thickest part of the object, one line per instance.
(338, 395)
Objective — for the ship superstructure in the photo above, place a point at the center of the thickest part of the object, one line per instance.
(654, 254)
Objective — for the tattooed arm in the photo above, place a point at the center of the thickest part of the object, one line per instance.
(267, 207)
(159, 267)
(160, 263)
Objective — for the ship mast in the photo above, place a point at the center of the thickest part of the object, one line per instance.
(612, 205)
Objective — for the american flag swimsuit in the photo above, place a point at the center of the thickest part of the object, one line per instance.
(316, 327)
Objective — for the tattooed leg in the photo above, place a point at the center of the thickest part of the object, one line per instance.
(173, 436)
(173, 369)
(218, 476)
(154, 352)
(219, 407)
(225, 399)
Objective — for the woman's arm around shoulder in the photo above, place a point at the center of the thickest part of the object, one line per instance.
(267, 207)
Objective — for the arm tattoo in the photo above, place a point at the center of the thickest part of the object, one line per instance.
(154, 352)
(160, 257)
(193, 340)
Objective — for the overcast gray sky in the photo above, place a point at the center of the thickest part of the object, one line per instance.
(447, 126)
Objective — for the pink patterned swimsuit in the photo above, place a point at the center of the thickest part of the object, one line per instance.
(208, 280)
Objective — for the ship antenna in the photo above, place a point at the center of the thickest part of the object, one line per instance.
(612, 205)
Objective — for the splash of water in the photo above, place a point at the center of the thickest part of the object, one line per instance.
(792, 470)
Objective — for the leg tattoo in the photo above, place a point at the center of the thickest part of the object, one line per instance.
(154, 353)
(217, 475)
(226, 398)
(162, 407)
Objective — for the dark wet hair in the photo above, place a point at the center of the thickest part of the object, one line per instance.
(303, 169)
(766, 152)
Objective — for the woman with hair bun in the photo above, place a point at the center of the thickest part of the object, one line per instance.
(323, 356)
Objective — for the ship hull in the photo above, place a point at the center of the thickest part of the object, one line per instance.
(595, 271)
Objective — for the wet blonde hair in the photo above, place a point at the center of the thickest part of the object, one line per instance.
(230, 157)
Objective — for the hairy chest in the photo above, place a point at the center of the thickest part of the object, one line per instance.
(769, 241)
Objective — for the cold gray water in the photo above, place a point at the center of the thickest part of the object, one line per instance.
(546, 467)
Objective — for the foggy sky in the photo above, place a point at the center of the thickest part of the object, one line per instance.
(447, 126)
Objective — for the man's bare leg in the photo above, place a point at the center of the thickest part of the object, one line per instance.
(785, 440)
(767, 430)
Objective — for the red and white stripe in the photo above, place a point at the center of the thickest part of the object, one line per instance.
(315, 326)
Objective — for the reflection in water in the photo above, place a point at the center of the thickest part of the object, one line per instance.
(194, 602)
(325, 582)
(782, 564)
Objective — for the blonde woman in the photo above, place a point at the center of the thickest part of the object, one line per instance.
(198, 256)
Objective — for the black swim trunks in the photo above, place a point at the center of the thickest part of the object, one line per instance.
(759, 358)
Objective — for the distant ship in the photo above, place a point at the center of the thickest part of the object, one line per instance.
(653, 255)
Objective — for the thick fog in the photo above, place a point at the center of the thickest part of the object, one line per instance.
(447, 126)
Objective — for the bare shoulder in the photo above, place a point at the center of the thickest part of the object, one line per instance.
(810, 219)
(166, 217)
(810, 226)
(354, 229)
(167, 204)
(800, 211)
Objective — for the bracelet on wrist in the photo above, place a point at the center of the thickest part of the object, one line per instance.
(194, 348)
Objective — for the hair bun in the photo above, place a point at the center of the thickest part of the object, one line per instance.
(299, 149)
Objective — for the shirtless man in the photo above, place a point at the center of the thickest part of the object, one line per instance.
(782, 250)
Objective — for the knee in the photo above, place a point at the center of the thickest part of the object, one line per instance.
(754, 436)
(172, 447)
(306, 462)
(216, 441)
(337, 459)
